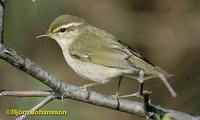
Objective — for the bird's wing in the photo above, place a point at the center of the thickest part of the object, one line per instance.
(136, 53)
(101, 48)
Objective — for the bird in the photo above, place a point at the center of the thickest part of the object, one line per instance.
(100, 57)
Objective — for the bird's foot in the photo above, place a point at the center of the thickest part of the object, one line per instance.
(137, 94)
(129, 95)
(116, 95)
(84, 87)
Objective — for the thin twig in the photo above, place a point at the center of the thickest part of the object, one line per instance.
(38, 106)
(33, 93)
(2, 7)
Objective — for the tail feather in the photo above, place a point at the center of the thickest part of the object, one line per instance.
(163, 76)
(161, 71)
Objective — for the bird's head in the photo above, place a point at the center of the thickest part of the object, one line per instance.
(65, 28)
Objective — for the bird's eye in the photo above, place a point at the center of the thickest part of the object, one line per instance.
(62, 30)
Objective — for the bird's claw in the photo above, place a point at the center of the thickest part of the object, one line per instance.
(84, 88)
(115, 95)
(137, 94)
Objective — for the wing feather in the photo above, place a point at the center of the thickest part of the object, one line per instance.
(100, 49)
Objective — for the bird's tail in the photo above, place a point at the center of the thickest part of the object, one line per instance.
(163, 75)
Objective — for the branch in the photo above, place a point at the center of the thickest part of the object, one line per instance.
(32, 93)
(76, 93)
(2, 6)
(38, 106)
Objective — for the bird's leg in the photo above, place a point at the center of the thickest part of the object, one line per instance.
(88, 85)
(141, 88)
(141, 84)
(141, 80)
(119, 83)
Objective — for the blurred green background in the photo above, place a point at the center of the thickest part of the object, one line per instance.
(167, 32)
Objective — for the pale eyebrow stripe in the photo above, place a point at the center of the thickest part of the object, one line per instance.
(68, 25)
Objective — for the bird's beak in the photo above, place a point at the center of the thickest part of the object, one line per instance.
(43, 35)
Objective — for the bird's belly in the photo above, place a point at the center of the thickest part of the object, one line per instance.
(97, 73)
(91, 71)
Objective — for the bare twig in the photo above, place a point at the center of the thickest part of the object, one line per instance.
(38, 106)
(73, 92)
(33, 93)
(2, 2)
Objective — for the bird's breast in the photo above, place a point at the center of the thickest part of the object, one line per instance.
(91, 71)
